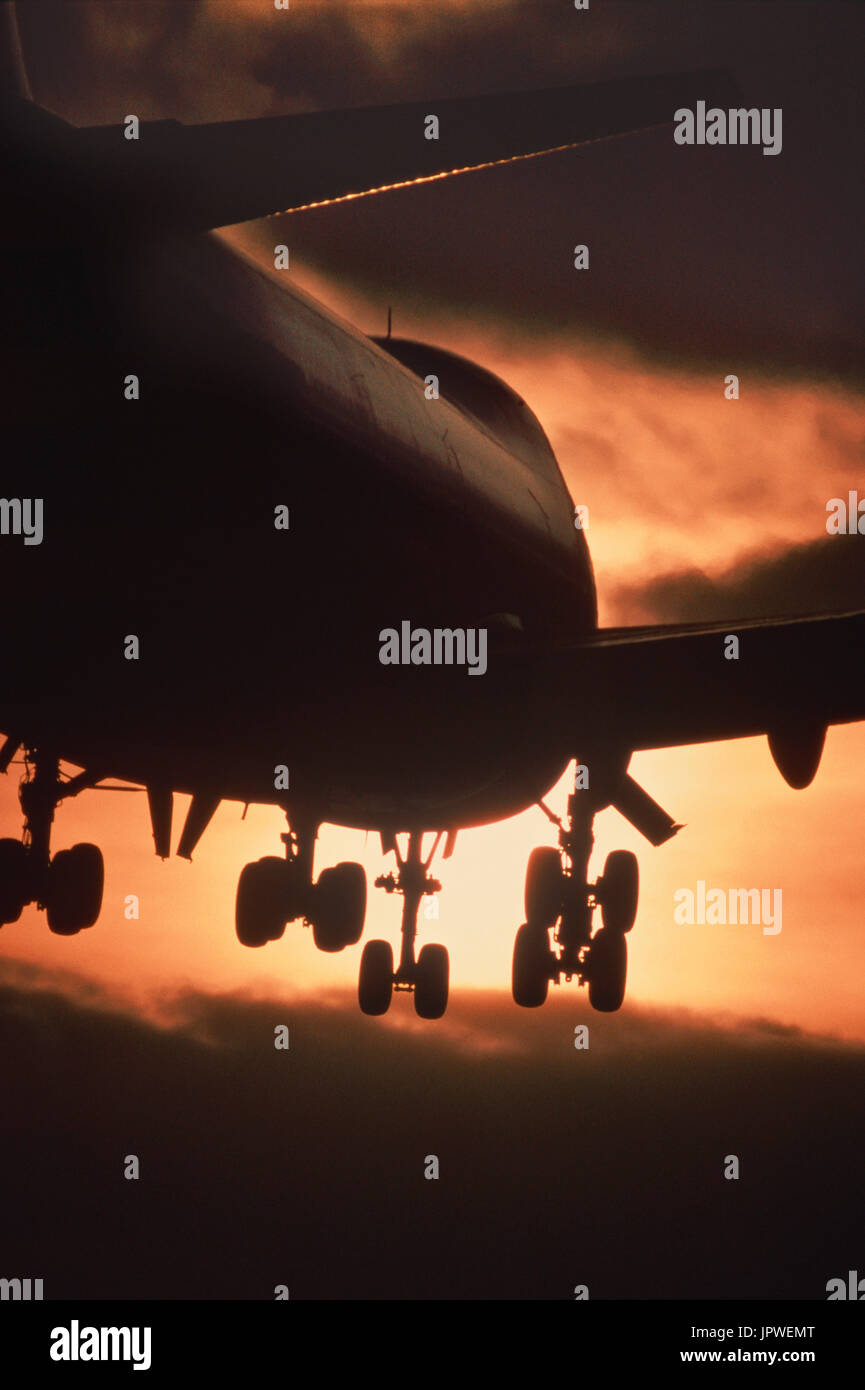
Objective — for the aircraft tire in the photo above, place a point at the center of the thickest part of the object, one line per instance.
(259, 913)
(544, 887)
(530, 978)
(13, 880)
(375, 982)
(339, 907)
(431, 982)
(76, 879)
(620, 890)
(608, 970)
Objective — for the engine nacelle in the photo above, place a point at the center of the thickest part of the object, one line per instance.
(797, 751)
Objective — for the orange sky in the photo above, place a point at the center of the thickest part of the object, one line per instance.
(674, 476)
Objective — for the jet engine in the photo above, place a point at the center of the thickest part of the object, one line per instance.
(797, 750)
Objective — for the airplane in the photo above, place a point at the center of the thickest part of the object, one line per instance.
(222, 502)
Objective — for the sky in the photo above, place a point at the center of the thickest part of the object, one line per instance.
(703, 263)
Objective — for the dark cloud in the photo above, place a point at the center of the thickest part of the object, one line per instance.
(822, 576)
(720, 256)
(558, 1167)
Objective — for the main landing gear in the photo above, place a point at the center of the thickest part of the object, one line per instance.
(70, 884)
(274, 891)
(426, 977)
(558, 891)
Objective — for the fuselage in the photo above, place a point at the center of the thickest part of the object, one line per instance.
(259, 646)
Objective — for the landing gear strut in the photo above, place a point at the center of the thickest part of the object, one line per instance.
(70, 885)
(274, 891)
(428, 976)
(558, 891)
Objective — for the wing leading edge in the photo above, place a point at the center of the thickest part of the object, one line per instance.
(662, 687)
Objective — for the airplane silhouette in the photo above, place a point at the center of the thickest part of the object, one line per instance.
(221, 500)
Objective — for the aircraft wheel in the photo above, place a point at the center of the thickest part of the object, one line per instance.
(608, 970)
(13, 880)
(544, 887)
(339, 907)
(75, 881)
(260, 907)
(620, 890)
(431, 982)
(375, 983)
(531, 967)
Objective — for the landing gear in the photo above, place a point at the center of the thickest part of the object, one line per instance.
(274, 891)
(558, 891)
(69, 885)
(426, 977)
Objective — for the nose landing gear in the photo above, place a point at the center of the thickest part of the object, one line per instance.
(428, 976)
(558, 891)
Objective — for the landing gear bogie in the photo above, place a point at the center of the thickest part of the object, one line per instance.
(560, 898)
(70, 885)
(274, 891)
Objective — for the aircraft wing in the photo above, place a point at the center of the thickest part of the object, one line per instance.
(200, 177)
(666, 686)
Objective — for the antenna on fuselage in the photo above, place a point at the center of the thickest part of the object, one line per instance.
(388, 320)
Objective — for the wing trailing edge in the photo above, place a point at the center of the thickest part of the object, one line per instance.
(668, 686)
(175, 177)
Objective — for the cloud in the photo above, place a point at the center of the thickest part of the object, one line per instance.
(822, 576)
(305, 1167)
